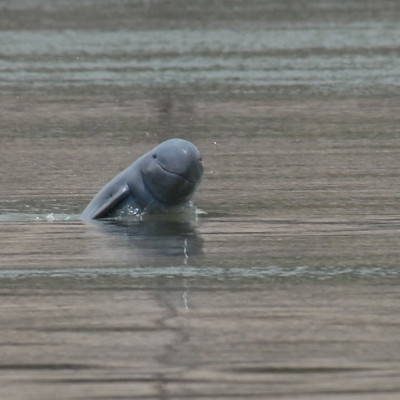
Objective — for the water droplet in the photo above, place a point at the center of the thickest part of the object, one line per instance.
(50, 217)
(130, 210)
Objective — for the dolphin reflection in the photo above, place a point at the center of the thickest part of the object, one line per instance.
(153, 238)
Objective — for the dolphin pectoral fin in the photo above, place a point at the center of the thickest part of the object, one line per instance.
(121, 194)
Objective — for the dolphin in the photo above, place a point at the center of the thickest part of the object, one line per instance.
(164, 178)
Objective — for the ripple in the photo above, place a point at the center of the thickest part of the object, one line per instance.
(214, 272)
(49, 217)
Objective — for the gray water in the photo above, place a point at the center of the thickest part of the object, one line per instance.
(283, 282)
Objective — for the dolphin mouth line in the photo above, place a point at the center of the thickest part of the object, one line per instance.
(152, 194)
(175, 173)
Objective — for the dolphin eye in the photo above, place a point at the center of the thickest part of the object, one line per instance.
(154, 155)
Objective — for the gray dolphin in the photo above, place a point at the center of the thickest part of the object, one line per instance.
(165, 177)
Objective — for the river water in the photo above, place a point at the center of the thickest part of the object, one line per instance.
(284, 283)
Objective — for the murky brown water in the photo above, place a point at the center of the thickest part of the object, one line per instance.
(287, 286)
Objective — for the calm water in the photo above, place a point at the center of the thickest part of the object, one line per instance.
(285, 283)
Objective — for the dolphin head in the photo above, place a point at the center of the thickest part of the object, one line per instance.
(172, 171)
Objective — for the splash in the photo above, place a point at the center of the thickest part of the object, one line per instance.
(189, 211)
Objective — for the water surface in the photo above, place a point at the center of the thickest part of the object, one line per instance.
(285, 283)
